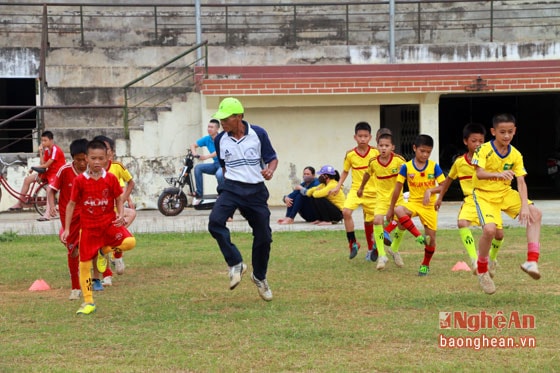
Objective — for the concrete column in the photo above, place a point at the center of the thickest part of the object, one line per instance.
(429, 120)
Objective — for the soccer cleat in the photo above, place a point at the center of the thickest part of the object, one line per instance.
(532, 269)
(75, 294)
(474, 265)
(421, 240)
(492, 267)
(101, 262)
(387, 239)
(119, 265)
(86, 309)
(235, 274)
(354, 247)
(396, 257)
(381, 261)
(97, 285)
(262, 287)
(107, 281)
(368, 255)
(424, 270)
(486, 283)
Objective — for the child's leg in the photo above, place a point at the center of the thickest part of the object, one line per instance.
(85, 281)
(368, 228)
(534, 234)
(497, 242)
(73, 267)
(488, 233)
(430, 246)
(397, 239)
(467, 239)
(379, 239)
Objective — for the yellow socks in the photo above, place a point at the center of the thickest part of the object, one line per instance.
(85, 281)
(397, 239)
(379, 238)
(468, 241)
(495, 247)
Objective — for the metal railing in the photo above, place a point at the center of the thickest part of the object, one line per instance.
(161, 84)
(284, 24)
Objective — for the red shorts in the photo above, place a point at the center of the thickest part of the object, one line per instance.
(91, 240)
(73, 239)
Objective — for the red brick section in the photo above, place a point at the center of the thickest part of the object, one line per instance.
(399, 78)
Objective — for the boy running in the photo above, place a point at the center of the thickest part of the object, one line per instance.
(497, 163)
(422, 176)
(96, 192)
(384, 168)
(463, 169)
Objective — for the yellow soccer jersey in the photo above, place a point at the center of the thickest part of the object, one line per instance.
(420, 180)
(463, 170)
(385, 175)
(120, 171)
(487, 158)
(358, 165)
(322, 191)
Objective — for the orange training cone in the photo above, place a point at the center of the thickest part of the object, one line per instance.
(39, 285)
(461, 266)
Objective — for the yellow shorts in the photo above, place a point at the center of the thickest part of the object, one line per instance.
(367, 201)
(469, 213)
(381, 206)
(489, 206)
(427, 214)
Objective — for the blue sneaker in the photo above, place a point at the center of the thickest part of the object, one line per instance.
(354, 247)
(371, 255)
(387, 240)
(97, 285)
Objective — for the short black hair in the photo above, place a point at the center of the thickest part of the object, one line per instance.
(48, 134)
(78, 147)
(362, 126)
(502, 118)
(96, 144)
(312, 169)
(215, 121)
(424, 140)
(386, 136)
(471, 128)
(107, 140)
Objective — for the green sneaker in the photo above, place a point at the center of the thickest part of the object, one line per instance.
(421, 240)
(424, 270)
(86, 309)
(101, 262)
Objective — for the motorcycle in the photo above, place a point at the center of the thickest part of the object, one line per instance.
(173, 200)
(553, 166)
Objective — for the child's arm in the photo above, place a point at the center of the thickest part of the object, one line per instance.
(127, 191)
(365, 179)
(119, 202)
(428, 194)
(525, 216)
(343, 177)
(50, 201)
(482, 174)
(396, 193)
(68, 219)
(444, 187)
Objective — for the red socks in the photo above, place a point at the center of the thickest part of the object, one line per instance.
(407, 223)
(428, 253)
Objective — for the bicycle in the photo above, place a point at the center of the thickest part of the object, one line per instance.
(37, 195)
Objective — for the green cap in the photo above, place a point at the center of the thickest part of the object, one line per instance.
(228, 107)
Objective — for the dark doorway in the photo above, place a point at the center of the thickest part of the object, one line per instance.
(16, 136)
(404, 123)
(537, 137)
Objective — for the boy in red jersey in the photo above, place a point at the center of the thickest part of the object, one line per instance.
(62, 183)
(97, 192)
(497, 163)
(463, 169)
(52, 159)
(422, 176)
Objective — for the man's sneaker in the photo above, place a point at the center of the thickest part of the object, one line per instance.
(532, 269)
(492, 265)
(474, 265)
(424, 270)
(86, 309)
(107, 281)
(396, 257)
(354, 247)
(101, 262)
(421, 240)
(262, 287)
(486, 283)
(387, 239)
(235, 274)
(381, 261)
(119, 265)
(97, 285)
(75, 294)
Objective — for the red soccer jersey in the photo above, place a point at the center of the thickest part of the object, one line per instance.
(96, 199)
(62, 183)
(57, 155)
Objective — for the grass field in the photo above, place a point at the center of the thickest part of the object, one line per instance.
(172, 310)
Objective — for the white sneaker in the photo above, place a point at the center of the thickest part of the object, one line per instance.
(107, 281)
(532, 269)
(262, 287)
(381, 261)
(474, 265)
(396, 257)
(75, 294)
(119, 265)
(486, 283)
(235, 274)
(492, 266)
